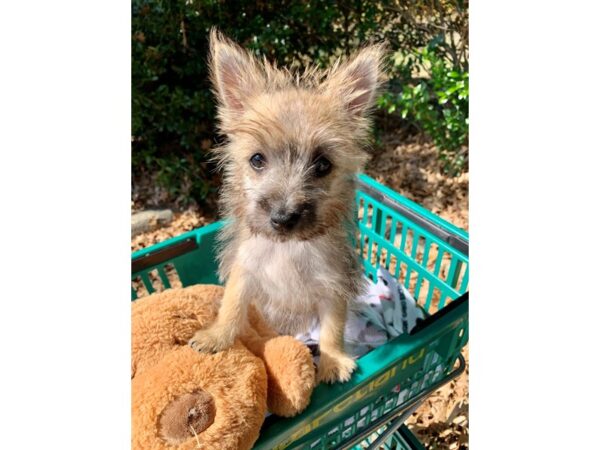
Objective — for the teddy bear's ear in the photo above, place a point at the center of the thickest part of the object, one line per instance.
(187, 416)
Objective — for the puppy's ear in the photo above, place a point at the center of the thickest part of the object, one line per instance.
(356, 81)
(235, 74)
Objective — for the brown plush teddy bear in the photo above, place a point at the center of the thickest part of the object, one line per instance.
(189, 400)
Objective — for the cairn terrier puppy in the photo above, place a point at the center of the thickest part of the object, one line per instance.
(294, 146)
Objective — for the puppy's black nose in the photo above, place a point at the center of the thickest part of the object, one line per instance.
(284, 220)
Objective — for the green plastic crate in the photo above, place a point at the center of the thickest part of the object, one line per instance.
(429, 254)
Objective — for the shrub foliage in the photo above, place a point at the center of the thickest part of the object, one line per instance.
(173, 108)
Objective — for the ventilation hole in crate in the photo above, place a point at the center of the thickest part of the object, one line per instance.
(155, 280)
(401, 275)
(442, 265)
(383, 257)
(173, 276)
(423, 292)
(434, 250)
(428, 296)
(398, 237)
(388, 228)
(412, 281)
(369, 216)
(361, 209)
(373, 255)
(414, 247)
(420, 253)
(366, 241)
(408, 241)
(357, 242)
(138, 286)
(417, 289)
(393, 264)
(398, 270)
(434, 302)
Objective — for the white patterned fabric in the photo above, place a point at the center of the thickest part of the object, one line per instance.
(384, 312)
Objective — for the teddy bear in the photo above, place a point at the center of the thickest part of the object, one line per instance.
(185, 399)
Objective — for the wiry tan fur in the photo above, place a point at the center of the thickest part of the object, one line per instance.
(310, 272)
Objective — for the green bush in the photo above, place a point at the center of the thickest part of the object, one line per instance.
(438, 104)
(173, 108)
(429, 67)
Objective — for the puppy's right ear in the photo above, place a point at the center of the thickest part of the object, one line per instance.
(235, 74)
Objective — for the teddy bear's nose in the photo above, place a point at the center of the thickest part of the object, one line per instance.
(187, 416)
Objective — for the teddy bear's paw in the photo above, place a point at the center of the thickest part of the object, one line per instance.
(211, 340)
(335, 367)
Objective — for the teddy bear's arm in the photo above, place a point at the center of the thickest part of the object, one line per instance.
(289, 363)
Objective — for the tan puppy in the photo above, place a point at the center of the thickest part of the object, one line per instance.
(295, 144)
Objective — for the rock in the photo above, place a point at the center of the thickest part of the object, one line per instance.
(150, 220)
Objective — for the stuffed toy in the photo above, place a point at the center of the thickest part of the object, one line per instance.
(185, 399)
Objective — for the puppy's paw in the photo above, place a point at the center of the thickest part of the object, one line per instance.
(335, 367)
(211, 340)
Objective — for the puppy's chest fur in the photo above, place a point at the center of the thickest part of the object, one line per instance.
(290, 281)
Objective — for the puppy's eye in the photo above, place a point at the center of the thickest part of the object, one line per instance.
(322, 166)
(258, 161)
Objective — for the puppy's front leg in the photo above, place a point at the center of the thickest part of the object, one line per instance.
(334, 364)
(230, 321)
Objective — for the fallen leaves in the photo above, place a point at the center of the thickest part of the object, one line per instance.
(412, 168)
(183, 221)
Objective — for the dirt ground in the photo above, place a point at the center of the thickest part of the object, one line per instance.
(412, 169)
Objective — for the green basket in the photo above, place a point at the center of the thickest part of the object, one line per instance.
(427, 253)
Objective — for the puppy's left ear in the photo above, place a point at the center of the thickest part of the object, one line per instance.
(356, 81)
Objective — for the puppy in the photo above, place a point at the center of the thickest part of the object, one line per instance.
(294, 146)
